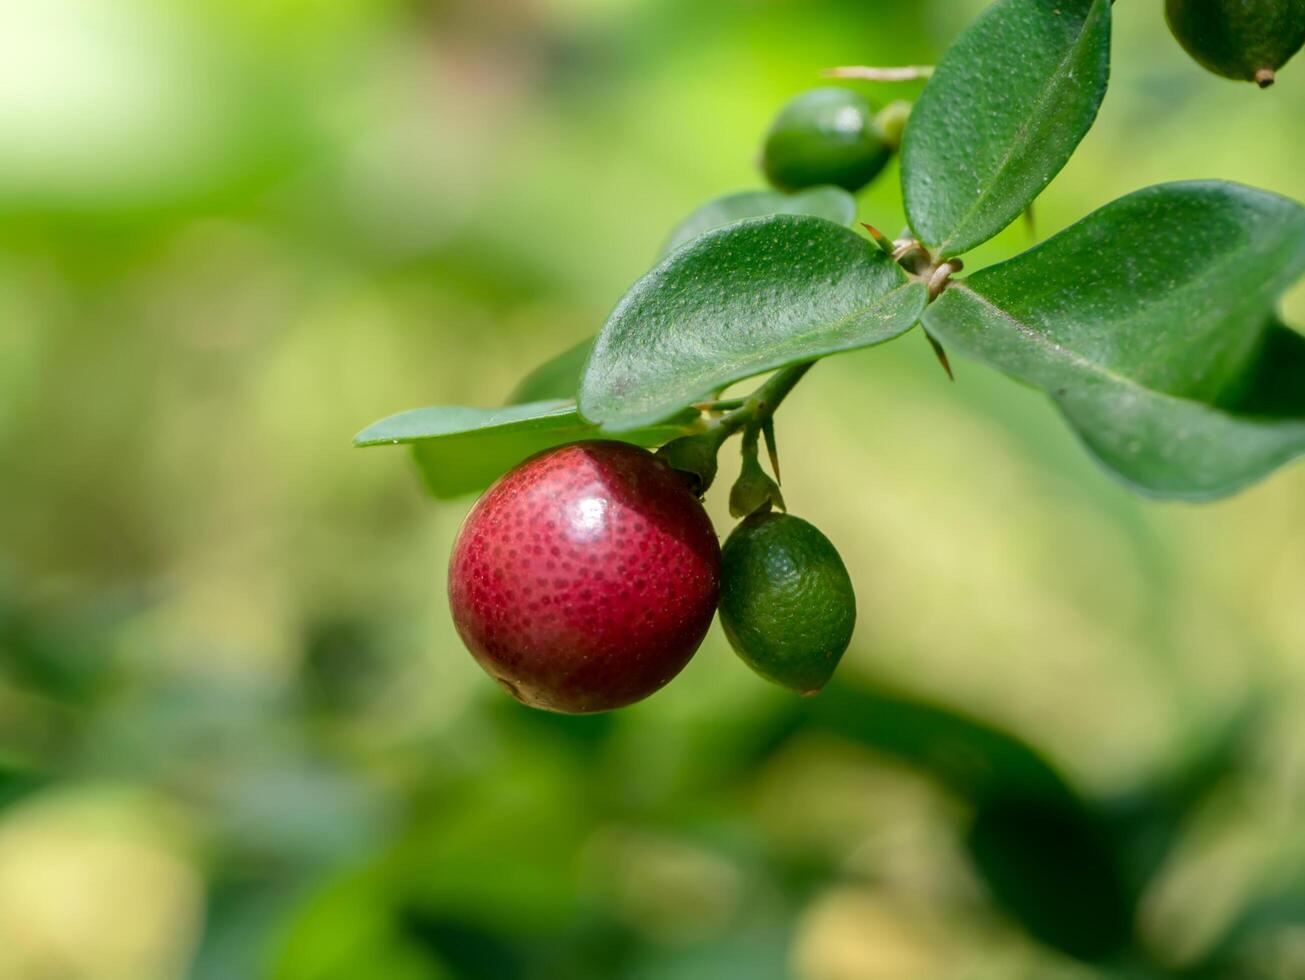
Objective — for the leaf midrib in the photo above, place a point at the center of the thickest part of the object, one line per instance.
(705, 379)
(1081, 362)
(560, 411)
(1024, 129)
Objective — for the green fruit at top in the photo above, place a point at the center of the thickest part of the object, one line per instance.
(1242, 39)
(786, 600)
(825, 136)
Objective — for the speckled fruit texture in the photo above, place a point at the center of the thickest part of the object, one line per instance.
(585, 578)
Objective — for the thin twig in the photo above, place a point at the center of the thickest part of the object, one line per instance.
(761, 404)
(903, 73)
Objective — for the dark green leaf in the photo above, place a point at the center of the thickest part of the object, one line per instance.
(1050, 865)
(460, 421)
(471, 951)
(463, 450)
(560, 376)
(832, 203)
(738, 301)
(1044, 852)
(555, 379)
(1274, 385)
(458, 465)
(1149, 324)
(1001, 115)
(971, 758)
(18, 781)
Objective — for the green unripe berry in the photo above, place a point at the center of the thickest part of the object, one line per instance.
(786, 600)
(825, 136)
(1243, 39)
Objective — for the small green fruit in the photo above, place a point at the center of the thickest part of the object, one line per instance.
(1243, 39)
(786, 600)
(825, 136)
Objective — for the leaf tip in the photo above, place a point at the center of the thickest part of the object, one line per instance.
(365, 438)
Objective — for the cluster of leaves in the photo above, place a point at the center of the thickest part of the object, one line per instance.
(1151, 323)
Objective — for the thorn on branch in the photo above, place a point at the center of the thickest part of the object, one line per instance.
(768, 430)
(880, 239)
(941, 354)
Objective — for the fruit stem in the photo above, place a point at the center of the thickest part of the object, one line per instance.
(762, 403)
(695, 454)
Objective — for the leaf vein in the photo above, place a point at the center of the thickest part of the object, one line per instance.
(1021, 136)
(1081, 362)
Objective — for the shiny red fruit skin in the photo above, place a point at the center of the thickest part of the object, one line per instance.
(585, 579)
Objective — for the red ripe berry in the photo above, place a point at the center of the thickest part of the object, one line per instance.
(585, 578)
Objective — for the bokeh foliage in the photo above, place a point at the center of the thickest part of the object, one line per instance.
(237, 734)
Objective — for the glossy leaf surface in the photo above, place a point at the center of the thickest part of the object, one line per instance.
(829, 202)
(462, 450)
(1001, 116)
(556, 378)
(736, 302)
(1150, 324)
(559, 377)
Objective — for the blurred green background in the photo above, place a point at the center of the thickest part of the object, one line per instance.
(238, 736)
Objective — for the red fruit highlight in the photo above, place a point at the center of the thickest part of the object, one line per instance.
(585, 578)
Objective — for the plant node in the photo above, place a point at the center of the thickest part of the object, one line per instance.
(694, 456)
(941, 275)
(911, 255)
